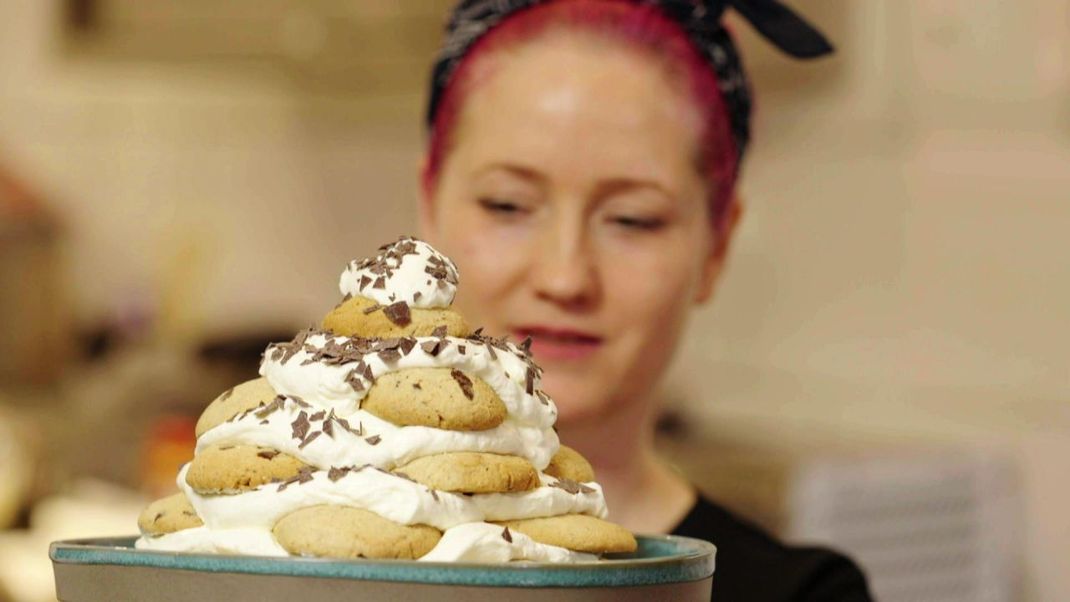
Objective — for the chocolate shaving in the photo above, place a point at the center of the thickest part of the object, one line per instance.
(328, 425)
(303, 476)
(283, 352)
(300, 426)
(336, 473)
(464, 382)
(460, 349)
(276, 404)
(342, 422)
(507, 536)
(544, 399)
(364, 281)
(389, 356)
(572, 486)
(380, 283)
(529, 381)
(525, 345)
(301, 403)
(267, 454)
(309, 439)
(318, 415)
(374, 440)
(433, 493)
(440, 332)
(416, 296)
(354, 381)
(406, 345)
(372, 309)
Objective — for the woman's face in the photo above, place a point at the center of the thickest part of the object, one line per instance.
(572, 206)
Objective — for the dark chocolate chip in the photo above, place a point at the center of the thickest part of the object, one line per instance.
(309, 439)
(398, 313)
(464, 382)
(300, 426)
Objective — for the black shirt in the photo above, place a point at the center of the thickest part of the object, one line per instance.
(754, 567)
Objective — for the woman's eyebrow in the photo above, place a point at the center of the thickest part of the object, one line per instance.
(607, 188)
(521, 171)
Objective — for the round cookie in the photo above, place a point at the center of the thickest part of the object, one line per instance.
(362, 317)
(472, 472)
(578, 532)
(437, 397)
(245, 396)
(345, 532)
(235, 468)
(167, 515)
(567, 463)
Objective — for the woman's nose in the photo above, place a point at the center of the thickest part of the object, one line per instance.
(564, 272)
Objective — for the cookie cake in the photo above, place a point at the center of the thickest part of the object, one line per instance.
(392, 431)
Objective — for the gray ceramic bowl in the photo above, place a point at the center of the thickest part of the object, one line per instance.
(664, 568)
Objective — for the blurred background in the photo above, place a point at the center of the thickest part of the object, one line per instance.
(885, 367)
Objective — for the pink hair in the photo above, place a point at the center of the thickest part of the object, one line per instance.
(638, 26)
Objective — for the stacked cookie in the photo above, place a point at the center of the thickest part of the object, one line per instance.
(391, 432)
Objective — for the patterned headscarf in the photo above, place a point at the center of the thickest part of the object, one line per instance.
(700, 19)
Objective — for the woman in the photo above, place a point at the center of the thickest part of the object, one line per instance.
(580, 170)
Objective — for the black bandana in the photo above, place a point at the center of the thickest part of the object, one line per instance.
(700, 19)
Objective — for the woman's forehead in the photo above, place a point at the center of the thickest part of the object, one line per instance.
(558, 98)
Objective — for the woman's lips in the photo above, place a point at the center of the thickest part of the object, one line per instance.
(548, 343)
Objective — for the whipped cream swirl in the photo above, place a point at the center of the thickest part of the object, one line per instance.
(408, 270)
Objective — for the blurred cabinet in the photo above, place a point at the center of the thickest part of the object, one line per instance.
(34, 335)
(367, 47)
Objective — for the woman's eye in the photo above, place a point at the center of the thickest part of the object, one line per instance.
(501, 206)
(638, 223)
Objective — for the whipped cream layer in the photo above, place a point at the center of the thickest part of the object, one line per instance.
(203, 540)
(371, 440)
(390, 496)
(242, 523)
(484, 542)
(408, 270)
(335, 372)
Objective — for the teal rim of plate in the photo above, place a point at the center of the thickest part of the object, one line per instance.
(660, 559)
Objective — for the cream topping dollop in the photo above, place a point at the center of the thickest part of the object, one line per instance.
(407, 270)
